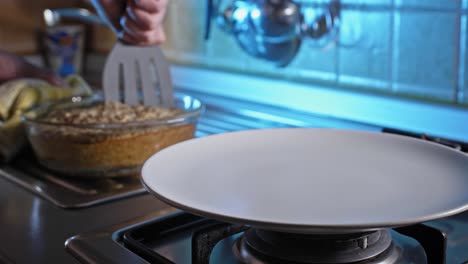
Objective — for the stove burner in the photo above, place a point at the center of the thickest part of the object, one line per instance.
(277, 247)
(185, 238)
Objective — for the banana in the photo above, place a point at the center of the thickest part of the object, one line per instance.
(25, 100)
(18, 96)
(79, 85)
(9, 92)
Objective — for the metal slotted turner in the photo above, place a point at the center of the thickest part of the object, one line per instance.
(136, 75)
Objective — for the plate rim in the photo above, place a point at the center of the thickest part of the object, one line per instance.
(308, 228)
(304, 228)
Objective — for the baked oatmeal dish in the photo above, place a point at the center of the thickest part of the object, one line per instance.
(91, 138)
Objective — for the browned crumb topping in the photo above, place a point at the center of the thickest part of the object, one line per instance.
(107, 113)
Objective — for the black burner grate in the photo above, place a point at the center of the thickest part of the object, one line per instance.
(197, 240)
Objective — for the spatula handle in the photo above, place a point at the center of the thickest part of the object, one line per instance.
(120, 7)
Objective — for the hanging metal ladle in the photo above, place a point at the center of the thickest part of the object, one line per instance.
(272, 29)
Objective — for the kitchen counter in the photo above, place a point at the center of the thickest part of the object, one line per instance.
(34, 230)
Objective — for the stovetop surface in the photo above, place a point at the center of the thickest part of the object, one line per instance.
(34, 230)
(67, 192)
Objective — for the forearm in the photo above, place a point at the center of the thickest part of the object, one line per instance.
(10, 66)
(13, 67)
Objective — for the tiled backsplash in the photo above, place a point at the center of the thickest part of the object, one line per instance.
(403, 47)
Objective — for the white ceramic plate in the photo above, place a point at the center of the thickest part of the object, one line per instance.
(311, 180)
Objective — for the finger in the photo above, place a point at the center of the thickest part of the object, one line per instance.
(132, 28)
(160, 35)
(156, 37)
(110, 11)
(130, 39)
(143, 19)
(151, 6)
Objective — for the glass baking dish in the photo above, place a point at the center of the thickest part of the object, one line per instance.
(106, 149)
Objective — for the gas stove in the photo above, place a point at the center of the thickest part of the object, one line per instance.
(185, 238)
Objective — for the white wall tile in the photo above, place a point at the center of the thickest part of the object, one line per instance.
(426, 54)
(187, 28)
(440, 4)
(265, 68)
(313, 62)
(368, 54)
(367, 2)
(224, 51)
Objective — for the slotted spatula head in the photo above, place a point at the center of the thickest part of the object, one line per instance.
(137, 74)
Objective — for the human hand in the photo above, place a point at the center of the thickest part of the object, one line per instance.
(14, 67)
(138, 22)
